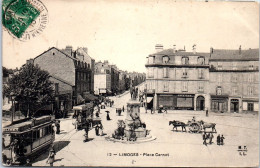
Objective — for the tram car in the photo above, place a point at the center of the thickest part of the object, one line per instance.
(26, 139)
(82, 113)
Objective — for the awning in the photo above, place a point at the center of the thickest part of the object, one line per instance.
(149, 99)
(90, 97)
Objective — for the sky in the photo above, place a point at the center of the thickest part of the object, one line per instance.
(125, 32)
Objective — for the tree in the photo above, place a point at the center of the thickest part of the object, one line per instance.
(31, 88)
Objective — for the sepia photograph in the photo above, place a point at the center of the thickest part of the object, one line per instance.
(130, 83)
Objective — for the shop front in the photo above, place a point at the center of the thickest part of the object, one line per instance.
(219, 103)
(250, 105)
(185, 101)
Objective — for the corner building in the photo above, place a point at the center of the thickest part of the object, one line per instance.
(177, 79)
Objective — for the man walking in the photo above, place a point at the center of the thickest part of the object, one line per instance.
(211, 136)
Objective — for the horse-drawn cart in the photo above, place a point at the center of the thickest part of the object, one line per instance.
(194, 126)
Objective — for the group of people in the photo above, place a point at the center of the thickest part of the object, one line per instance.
(209, 136)
(134, 92)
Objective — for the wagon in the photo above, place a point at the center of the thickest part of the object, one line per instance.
(194, 126)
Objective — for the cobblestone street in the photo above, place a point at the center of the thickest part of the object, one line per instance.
(170, 148)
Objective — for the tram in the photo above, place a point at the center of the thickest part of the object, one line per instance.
(82, 113)
(26, 139)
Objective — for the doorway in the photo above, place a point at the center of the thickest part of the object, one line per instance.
(200, 103)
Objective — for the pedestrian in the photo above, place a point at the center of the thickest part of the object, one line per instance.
(86, 132)
(123, 108)
(218, 139)
(51, 156)
(101, 129)
(57, 124)
(97, 114)
(97, 130)
(222, 140)
(207, 112)
(108, 117)
(211, 136)
(204, 137)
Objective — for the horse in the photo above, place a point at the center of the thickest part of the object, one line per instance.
(177, 124)
(208, 125)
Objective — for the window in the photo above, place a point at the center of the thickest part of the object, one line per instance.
(250, 91)
(251, 77)
(150, 72)
(234, 90)
(200, 87)
(250, 106)
(166, 86)
(184, 86)
(165, 59)
(185, 60)
(234, 78)
(151, 59)
(219, 79)
(184, 73)
(251, 67)
(201, 76)
(56, 88)
(219, 66)
(219, 90)
(201, 60)
(165, 72)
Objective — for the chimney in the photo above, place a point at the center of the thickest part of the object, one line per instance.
(174, 48)
(158, 47)
(211, 50)
(240, 49)
(68, 50)
(194, 49)
(29, 61)
(184, 48)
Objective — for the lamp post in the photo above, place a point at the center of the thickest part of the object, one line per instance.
(145, 90)
(13, 106)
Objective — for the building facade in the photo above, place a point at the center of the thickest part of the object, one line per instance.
(71, 72)
(177, 79)
(221, 80)
(234, 80)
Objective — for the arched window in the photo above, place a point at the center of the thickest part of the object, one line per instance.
(165, 59)
(185, 60)
(201, 60)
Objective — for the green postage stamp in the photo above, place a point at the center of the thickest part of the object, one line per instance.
(17, 15)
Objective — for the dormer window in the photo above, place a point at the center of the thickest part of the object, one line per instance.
(151, 59)
(185, 60)
(201, 60)
(165, 59)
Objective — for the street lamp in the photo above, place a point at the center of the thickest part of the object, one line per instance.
(13, 107)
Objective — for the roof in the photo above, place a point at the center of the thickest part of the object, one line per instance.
(59, 51)
(222, 54)
(180, 53)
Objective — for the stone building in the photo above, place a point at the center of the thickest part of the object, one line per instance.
(106, 78)
(234, 80)
(177, 79)
(71, 71)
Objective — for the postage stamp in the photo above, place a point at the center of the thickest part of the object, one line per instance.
(24, 19)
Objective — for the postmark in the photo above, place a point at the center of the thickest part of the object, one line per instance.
(24, 19)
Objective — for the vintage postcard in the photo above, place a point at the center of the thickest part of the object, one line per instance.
(130, 83)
